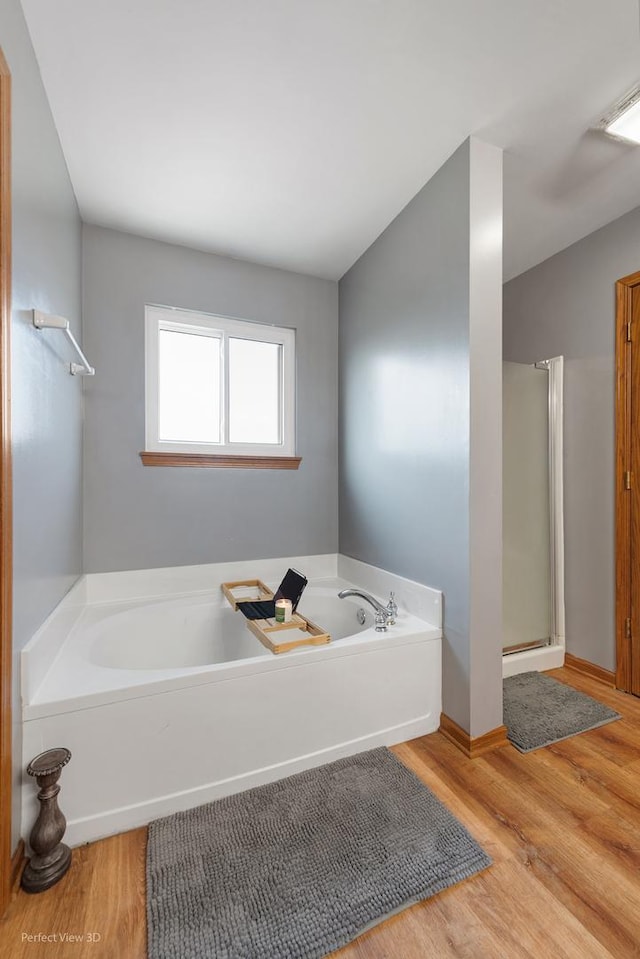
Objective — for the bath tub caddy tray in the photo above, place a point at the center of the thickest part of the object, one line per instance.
(246, 591)
(277, 637)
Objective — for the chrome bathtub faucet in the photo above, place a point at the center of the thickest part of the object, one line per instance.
(385, 615)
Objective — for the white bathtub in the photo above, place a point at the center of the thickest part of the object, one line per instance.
(144, 637)
(166, 703)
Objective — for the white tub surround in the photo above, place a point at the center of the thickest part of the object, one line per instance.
(410, 596)
(166, 700)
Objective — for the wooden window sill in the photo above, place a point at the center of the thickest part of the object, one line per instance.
(221, 461)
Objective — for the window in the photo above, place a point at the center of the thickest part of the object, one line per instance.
(217, 387)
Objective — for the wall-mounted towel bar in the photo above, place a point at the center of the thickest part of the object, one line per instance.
(47, 321)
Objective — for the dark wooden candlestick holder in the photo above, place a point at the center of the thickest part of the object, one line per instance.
(51, 858)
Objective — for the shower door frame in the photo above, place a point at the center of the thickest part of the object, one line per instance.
(551, 655)
(555, 368)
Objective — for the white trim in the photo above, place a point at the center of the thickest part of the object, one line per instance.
(221, 327)
(555, 368)
(556, 490)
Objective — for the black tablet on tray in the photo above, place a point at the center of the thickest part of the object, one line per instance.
(291, 587)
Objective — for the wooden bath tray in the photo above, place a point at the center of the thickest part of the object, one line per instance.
(277, 637)
(248, 591)
(267, 631)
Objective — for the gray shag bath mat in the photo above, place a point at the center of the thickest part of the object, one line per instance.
(300, 867)
(539, 711)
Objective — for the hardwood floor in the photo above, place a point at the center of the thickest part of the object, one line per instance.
(562, 826)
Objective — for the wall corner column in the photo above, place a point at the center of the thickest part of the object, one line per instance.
(485, 435)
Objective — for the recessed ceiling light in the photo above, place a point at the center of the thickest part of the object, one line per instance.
(623, 122)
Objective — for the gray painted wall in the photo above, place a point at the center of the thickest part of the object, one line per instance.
(407, 321)
(566, 305)
(139, 517)
(46, 400)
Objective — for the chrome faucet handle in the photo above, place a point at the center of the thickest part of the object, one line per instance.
(392, 609)
(381, 621)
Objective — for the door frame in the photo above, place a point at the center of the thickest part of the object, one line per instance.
(625, 335)
(6, 511)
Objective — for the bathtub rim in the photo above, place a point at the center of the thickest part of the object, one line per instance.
(40, 653)
(52, 699)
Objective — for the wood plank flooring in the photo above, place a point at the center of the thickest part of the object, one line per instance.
(562, 826)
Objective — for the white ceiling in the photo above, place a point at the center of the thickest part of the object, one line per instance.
(290, 132)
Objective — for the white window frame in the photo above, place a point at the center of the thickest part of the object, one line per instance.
(222, 327)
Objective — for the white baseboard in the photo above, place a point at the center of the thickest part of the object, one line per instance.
(114, 821)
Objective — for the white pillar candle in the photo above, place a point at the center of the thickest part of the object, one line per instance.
(284, 610)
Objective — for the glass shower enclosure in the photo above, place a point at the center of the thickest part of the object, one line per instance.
(533, 554)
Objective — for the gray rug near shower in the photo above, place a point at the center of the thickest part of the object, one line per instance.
(538, 711)
(300, 867)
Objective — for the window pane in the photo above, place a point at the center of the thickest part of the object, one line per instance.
(189, 387)
(254, 391)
